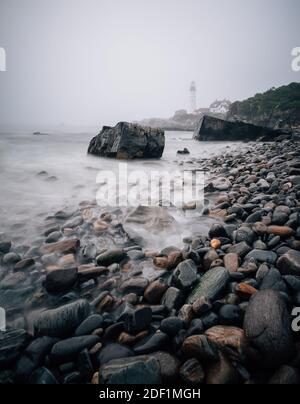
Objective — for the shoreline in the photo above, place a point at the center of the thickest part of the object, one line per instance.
(189, 315)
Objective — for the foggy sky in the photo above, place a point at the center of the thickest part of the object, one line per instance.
(90, 62)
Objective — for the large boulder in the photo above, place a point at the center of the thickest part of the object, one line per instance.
(211, 128)
(128, 141)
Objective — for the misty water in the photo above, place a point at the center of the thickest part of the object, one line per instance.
(40, 175)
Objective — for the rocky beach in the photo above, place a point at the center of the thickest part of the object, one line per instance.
(88, 304)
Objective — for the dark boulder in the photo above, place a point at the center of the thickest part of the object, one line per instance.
(128, 141)
(211, 128)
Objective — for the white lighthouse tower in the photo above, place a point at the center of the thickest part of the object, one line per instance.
(193, 97)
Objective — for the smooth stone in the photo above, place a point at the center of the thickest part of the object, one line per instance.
(156, 342)
(111, 257)
(241, 249)
(61, 280)
(199, 347)
(209, 320)
(136, 285)
(172, 299)
(230, 315)
(222, 372)
(155, 291)
(254, 217)
(62, 247)
(267, 326)
(211, 285)
(217, 230)
(13, 280)
(62, 321)
(289, 263)
(169, 366)
(42, 376)
(25, 263)
(90, 324)
(144, 370)
(245, 234)
(292, 282)
(231, 262)
(273, 280)
(229, 339)
(114, 351)
(53, 237)
(262, 256)
(39, 348)
(196, 327)
(185, 275)
(192, 373)
(171, 326)
(11, 258)
(286, 375)
(11, 345)
(5, 247)
(201, 306)
(68, 349)
(139, 320)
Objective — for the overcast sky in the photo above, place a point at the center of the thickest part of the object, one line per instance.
(89, 62)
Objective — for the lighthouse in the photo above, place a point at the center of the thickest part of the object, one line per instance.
(193, 97)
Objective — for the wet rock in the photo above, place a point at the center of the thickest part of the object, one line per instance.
(138, 370)
(111, 257)
(230, 314)
(273, 280)
(286, 375)
(267, 327)
(231, 262)
(289, 263)
(172, 299)
(114, 351)
(245, 234)
(222, 372)
(11, 258)
(185, 275)
(68, 349)
(53, 237)
(138, 320)
(113, 331)
(201, 306)
(216, 231)
(61, 280)
(191, 372)
(211, 285)
(186, 314)
(131, 340)
(199, 347)
(229, 339)
(90, 324)
(62, 321)
(262, 256)
(5, 247)
(171, 326)
(209, 258)
(42, 376)
(24, 264)
(241, 249)
(136, 285)
(155, 291)
(39, 349)
(169, 366)
(12, 280)
(61, 247)
(11, 344)
(245, 290)
(128, 141)
(156, 342)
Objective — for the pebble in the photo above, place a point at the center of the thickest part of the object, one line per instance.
(289, 263)
(111, 257)
(90, 324)
(139, 320)
(114, 351)
(62, 321)
(185, 275)
(267, 327)
(11, 258)
(68, 349)
(61, 280)
(211, 285)
(136, 285)
(192, 373)
(171, 326)
(155, 291)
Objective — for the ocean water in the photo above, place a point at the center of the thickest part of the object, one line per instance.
(40, 175)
